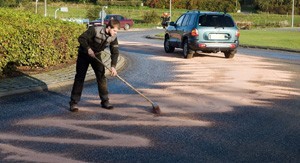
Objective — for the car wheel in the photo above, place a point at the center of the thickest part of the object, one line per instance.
(126, 27)
(187, 53)
(168, 48)
(230, 53)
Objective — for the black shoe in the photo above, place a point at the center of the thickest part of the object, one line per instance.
(106, 105)
(73, 107)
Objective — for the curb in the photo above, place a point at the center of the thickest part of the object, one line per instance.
(269, 48)
(53, 80)
(90, 76)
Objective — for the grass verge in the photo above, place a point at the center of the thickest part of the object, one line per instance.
(278, 38)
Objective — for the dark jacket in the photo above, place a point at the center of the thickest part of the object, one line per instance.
(97, 39)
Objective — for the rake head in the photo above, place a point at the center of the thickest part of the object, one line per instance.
(156, 109)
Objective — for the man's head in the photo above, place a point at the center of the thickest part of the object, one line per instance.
(113, 27)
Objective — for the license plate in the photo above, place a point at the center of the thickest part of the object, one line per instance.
(217, 36)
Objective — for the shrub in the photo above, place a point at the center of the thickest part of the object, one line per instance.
(151, 17)
(36, 41)
(93, 12)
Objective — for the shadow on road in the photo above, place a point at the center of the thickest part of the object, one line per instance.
(18, 82)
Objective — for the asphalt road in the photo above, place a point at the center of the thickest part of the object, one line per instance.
(244, 109)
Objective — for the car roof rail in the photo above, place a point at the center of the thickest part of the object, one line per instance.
(224, 13)
(219, 12)
(193, 11)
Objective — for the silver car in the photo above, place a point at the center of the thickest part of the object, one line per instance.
(209, 32)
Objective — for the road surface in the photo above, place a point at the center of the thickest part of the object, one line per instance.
(244, 109)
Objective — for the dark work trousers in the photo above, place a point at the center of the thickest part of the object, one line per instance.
(82, 64)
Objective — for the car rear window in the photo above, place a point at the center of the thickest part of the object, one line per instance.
(216, 21)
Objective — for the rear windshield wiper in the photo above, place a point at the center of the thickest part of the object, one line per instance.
(219, 27)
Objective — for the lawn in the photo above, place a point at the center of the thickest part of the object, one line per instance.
(271, 38)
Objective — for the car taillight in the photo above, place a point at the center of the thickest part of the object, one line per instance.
(202, 45)
(237, 33)
(195, 32)
(232, 46)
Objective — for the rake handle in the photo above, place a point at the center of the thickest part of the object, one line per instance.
(124, 81)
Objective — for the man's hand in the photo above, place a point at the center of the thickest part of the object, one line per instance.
(91, 53)
(113, 72)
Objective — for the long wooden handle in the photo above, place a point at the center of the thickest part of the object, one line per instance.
(124, 81)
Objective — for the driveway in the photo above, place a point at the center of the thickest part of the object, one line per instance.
(244, 109)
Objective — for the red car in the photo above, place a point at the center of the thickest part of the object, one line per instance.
(124, 22)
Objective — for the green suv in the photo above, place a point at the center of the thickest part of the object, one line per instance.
(209, 32)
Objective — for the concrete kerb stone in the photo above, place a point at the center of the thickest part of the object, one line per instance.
(270, 48)
(90, 76)
(53, 80)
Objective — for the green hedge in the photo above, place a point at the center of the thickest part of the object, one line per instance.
(32, 40)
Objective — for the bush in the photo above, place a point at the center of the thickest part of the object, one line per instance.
(151, 17)
(14, 3)
(276, 7)
(8, 3)
(36, 41)
(93, 12)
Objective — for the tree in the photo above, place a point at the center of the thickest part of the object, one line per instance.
(276, 6)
